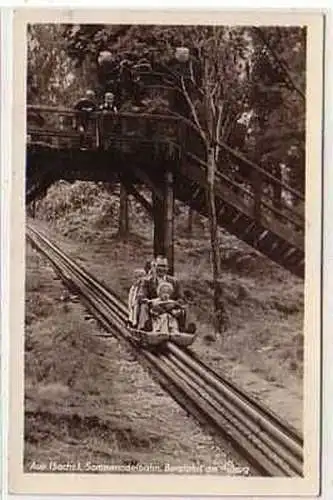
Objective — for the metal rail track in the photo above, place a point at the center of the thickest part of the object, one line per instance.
(267, 442)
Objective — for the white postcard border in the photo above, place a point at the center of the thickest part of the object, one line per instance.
(166, 484)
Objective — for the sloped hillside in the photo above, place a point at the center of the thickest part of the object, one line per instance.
(261, 348)
(263, 301)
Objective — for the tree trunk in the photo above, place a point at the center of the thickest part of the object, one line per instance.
(158, 214)
(219, 309)
(123, 225)
(190, 217)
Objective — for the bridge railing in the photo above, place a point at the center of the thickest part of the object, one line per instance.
(59, 127)
(133, 129)
(267, 195)
(103, 129)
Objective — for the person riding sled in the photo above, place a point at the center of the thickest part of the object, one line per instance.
(165, 312)
(160, 274)
(134, 298)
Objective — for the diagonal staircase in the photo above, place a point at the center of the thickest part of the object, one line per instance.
(281, 241)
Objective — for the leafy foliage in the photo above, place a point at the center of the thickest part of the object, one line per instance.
(258, 73)
(277, 100)
(52, 76)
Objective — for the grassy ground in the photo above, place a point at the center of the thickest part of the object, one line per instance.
(261, 349)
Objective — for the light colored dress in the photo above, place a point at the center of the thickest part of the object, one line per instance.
(133, 303)
(163, 318)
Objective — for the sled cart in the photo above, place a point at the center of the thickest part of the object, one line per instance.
(163, 324)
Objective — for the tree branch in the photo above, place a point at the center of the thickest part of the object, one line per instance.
(215, 89)
(217, 133)
(281, 64)
(192, 74)
(193, 111)
(212, 106)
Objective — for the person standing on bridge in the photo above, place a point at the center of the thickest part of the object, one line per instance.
(85, 106)
(109, 103)
(109, 124)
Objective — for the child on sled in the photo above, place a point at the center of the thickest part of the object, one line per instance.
(164, 311)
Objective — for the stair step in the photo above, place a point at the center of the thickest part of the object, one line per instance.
(250, 226)
(252, 236)
(289, 255)
(229, 214)
(275, 245)
(267, 241)
(240, 225)
(281, 250)
(295, 259)
(262, 237)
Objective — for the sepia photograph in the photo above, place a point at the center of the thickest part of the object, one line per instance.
(169, 310)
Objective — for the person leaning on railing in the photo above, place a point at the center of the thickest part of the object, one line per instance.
(108, 106)
(86, 105)
(108, 103)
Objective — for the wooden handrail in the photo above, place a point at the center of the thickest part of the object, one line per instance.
(262, 171)
(271, 208)
(97, 113)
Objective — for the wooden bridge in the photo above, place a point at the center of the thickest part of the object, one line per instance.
(165, 154)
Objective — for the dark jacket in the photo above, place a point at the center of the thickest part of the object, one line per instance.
(85, 104)
(108, 107)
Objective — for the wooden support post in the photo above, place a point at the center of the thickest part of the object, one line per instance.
(169, 205)
(163, 212)
(158, 213)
